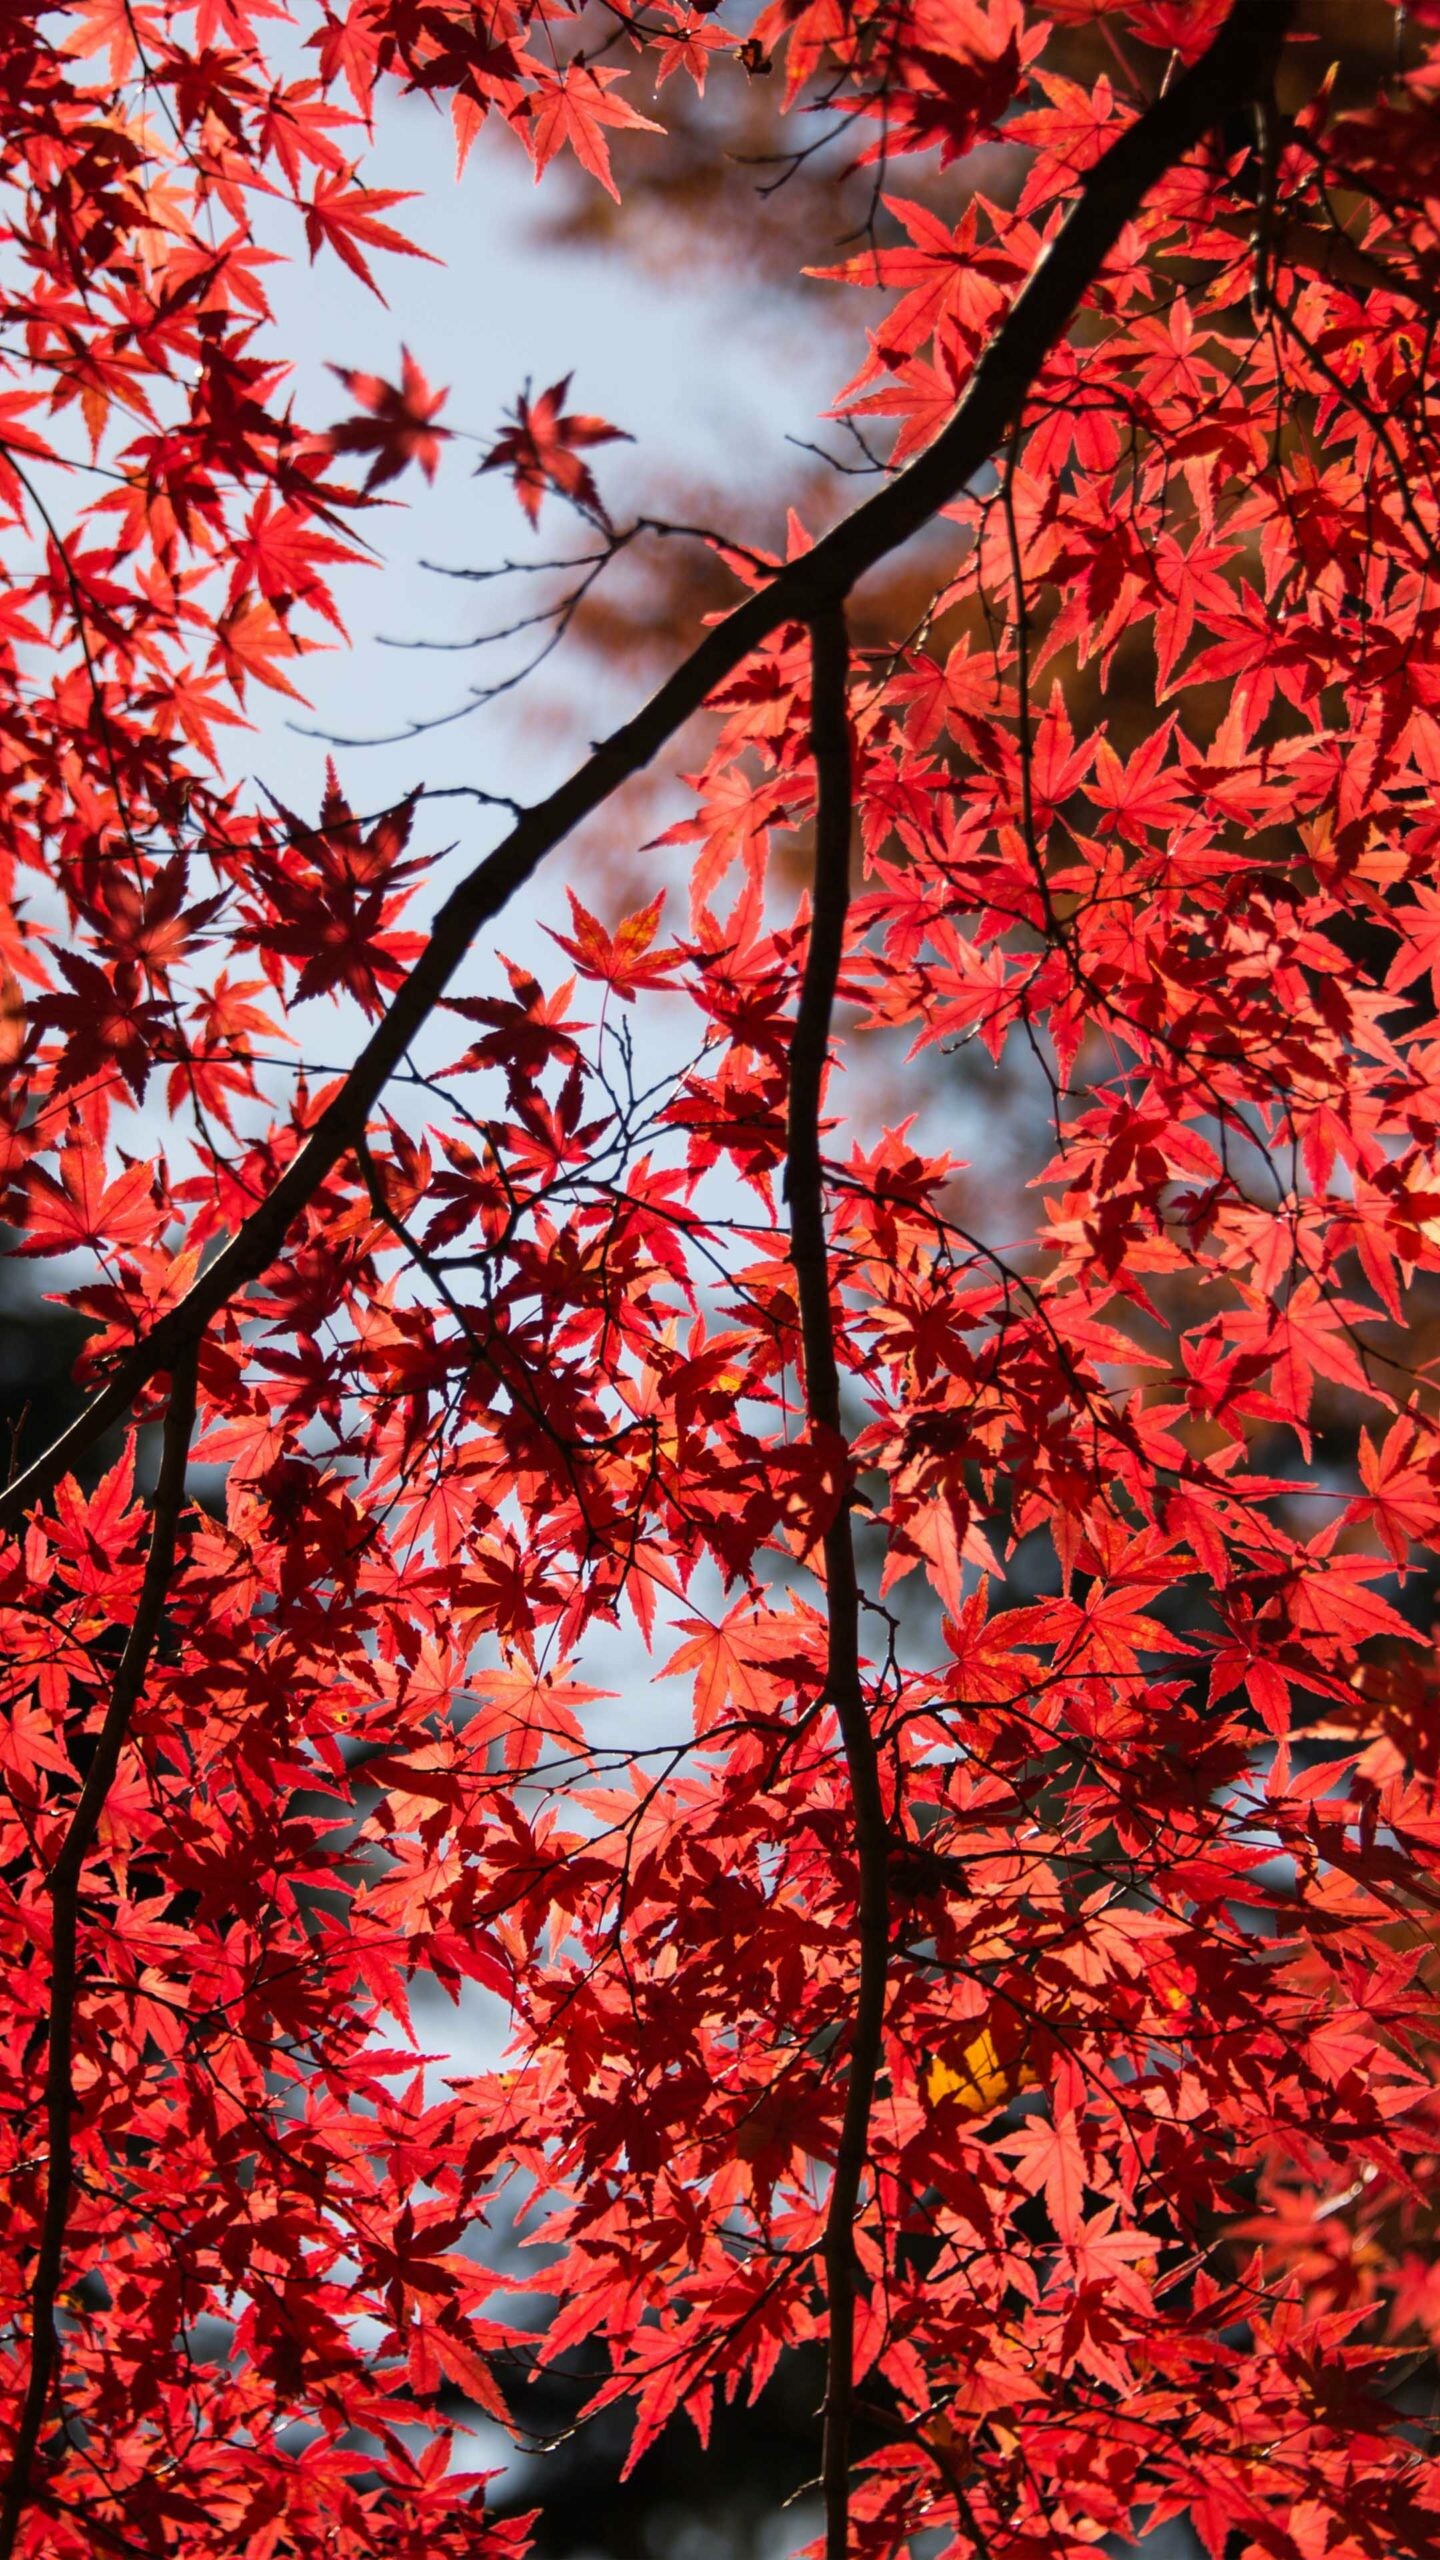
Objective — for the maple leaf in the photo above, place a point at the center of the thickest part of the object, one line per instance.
(921, 393)
(1139, 795)
(332, 901)
(745, 1663)
(283, 554)
(1419, 953)
(1330, 1600)
(541, 451)
(982, 2069)
(525, 1032)
(948, 275)
(571, 109)
(111, 24)
(958, 72)
(16, 436)
(965, 695)
(343, 217)
(399, 427)
(1049, 2160)
(689, 49)
(108, 1021)
(533, 1714)
(1401, 1497)
(192, 703)
(623, 960)
(249, 638)
(1306, 1336)
(83, 1207)
(1070, 134)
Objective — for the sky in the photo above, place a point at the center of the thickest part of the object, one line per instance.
(709, 373)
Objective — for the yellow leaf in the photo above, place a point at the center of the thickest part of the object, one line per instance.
(980, 2081)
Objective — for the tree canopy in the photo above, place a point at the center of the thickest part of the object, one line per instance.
(1012, 1977)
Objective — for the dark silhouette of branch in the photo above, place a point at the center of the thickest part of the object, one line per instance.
(63, 1885)
(1235, 66)
(810, 1257)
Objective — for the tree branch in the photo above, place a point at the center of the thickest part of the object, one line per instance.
(1239, 61)
(63, 1885)
(810, 1257)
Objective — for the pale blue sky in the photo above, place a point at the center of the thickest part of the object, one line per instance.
(709, 373)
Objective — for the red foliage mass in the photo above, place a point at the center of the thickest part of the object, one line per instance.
(1022, 1972)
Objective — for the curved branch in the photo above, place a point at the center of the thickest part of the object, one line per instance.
(63, 1884)
(1238, 62)
(810, 1258)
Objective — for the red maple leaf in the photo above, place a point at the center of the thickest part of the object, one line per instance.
(571, 108)
(83, 1207)
(623, 960)
(541, 450)
(399, 427)
(345, 218)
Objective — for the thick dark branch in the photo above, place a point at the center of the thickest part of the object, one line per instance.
(63, 1884)
(810, 1043)
(810, 1257)
(1240, 62)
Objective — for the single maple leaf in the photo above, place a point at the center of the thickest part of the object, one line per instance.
(399, 428)
(572, 107)
(1048, 2156)
(343, 216)
(249, 639)
(281, 553)
(108, 24)
(82, 1208)
(1400, 1497)
(622, 960)
(689, 49)
(952, 101)
(108, 1021)
(983, 2068)
(541, 448)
